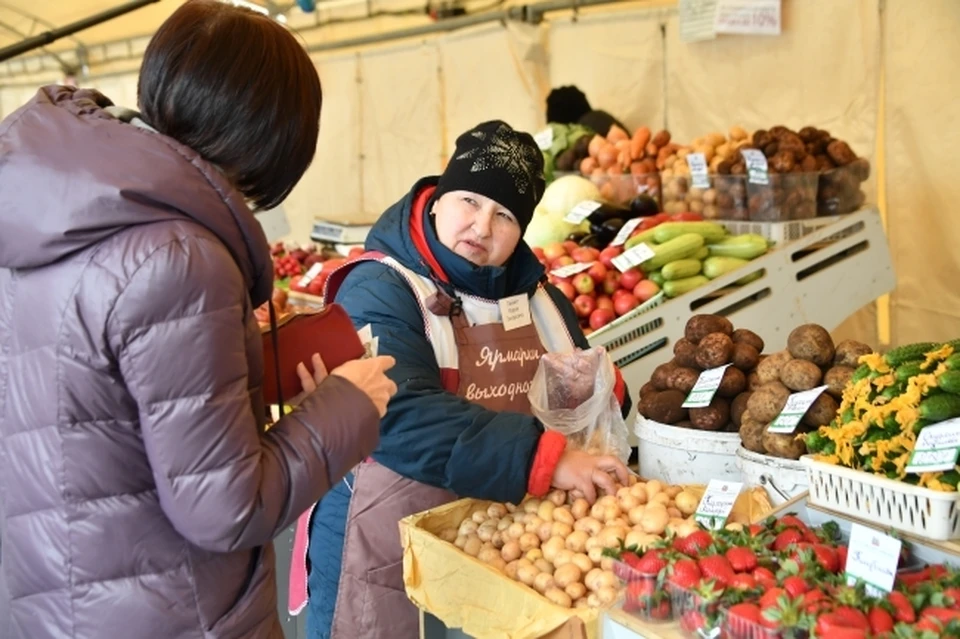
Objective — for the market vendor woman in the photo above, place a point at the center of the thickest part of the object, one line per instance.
(442, 263)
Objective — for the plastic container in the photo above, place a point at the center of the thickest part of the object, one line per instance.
(921, 511)
(788, 196)
(697, 618)
(651, 303)
(641, 597)
(736, 627)
(725, 199)
(685, 456)
(622, 189)
(839, 190)
(782, 478)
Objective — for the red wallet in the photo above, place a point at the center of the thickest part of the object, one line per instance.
(328, 332)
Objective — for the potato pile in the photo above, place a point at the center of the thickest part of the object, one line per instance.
(810, 360)
(709, 341)
(555, 545)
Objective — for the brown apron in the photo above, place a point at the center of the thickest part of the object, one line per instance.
(495, 370)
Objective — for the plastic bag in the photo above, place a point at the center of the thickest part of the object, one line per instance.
(572, 393)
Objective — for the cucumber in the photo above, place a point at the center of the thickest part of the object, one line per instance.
(676, 249)
(709, 231)
(940, 407)
(656, 277)
(950, 382)
(953, 362)
(860, 373)
(908, 352)
(674, 288)
(716, 266)
(908, 370)
(747, 246)
(679, 269)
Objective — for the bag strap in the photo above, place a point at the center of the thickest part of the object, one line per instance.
(276, 354)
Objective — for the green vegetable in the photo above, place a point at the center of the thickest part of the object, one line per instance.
(938, 408)
(716, 266)
(950, 382)
(702, 254)
(747, 246)
(676, 249)
(675, 288)
(862, 371)
(908, 370)
(679, 269)
(909, 352)
(656, 277)
(953, 362)
(710, 231)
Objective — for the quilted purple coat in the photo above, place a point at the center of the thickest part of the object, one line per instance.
(138, 491)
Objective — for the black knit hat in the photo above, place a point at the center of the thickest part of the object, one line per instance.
(496, 161)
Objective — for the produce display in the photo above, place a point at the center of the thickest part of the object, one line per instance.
(567, 148)
(781, 579)
(726, 197)
(624, 166)
(885, 404)
(709, 341)
(292, 262)
(557, 545)
(810, 360)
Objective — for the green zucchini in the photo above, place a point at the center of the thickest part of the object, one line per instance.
(940, 407)
(644, 237)
(679, 269)
(716, 266)
(676, 249)
(753, 277)
(710, 231)
(702, 254)
(747, 246)
(675, 288)
(656, 277)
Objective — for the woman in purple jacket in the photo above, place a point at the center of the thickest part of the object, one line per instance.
(139, 492)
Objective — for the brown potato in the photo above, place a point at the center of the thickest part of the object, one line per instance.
(813, 343)
(768, 370)
(751, 434)
(665, 407)
(849, 353)
(683, 379)
(699, 326)
(787, 446)
(714, 417)
(753, 381)
(685, 353)
(746, 336)
(714, 350)
(800, 375)
(745, 356)
(738, 407)
(661, 374)
(822, 411)
(733, 382)
(837, 379)
(767, 401)
(647, 390)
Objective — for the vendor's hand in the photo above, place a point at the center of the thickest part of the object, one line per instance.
(583, 472)
(370, 376)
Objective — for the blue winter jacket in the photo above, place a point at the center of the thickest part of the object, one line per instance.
(428, 434)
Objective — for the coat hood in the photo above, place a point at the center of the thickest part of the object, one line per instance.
(72, 174)
(405, 232)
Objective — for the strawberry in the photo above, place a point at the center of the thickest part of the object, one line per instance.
(742, 559)
(716, 567)
(902, 608)
(842, 623)
(692, 621)
(880, 620)
(745, 612)
(827, 557)
(765, 577)
(756, 530)
(792, 521)
(742, 581)
(942, 615)
(814, 600)
(685, 573)
(630, 558)
(952, 593)
(694, 543)
(651, 563)
(780, 612)
(842, 556)
(796, 586)
(787, 538)
(771, 597)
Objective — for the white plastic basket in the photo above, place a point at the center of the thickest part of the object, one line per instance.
(927, 513)
(651, 303)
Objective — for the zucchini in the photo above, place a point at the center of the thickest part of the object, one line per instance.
(679, 269)
(939, 408)
(908, 352)
(676, 249)
(747, 246)
(644, 237)
(950, 382)
(715, 266)
(702, 254)
(753, 277)
(674, 288)
(709, 231)
(656, 277)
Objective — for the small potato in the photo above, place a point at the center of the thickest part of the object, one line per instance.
(800, 375)
(674, 512)
(606, 563)
(583, 562)
(533, 524)
(545, 512)
(567, 574)
(552, 547)
(531, 506)
(686, 528)
(448, 534)
(533, 555)
(516, 530)
(557, 497)
(577, 540)
(591, 579)
(593, 601)
(576, 590)
(673, 491)
(661, 498)
(526, 574)
(639, 491)
(655, 519)
(636, 515)
(510, 570)
(544, 566)
(635, 538)
(580, 508)
(734, 527)
(496, 511)
(768, 370)
(596, 555)
(486, 555)
(811, 342)
(559, 529)
(581, 604)
(511, 551)
(593, 542)
(849, 353)
(654, 486)
(628, 502)
(558, 597)
(545, 531)
(511, 508)
(486, 530)
(588, 525)
(612, 537)
(837, 379)
(563, 557)
(822, 411)
(468, 527)
(479, 517)
(497, 540)
(687, 503)
(473, 546)
(498, 563)
(543, 581)
(529, 541)
(563, 515)
(461, 541)
(606, 580)
(504, 523)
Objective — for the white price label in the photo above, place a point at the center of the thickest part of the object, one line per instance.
(937, 448)
(310, 275)
(582, 211)
(873, 559)
(749, 17)
(633, 258)
(544, 139)
(757, 170)
(515, 311)
(624, 234)
(572, 269)
(717, 502)
(705, 388)
(699, 172)
(370, 343)
(793, 411)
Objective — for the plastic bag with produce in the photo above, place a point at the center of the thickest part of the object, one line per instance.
(572, 393)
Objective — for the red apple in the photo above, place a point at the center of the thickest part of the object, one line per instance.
(598, 272)
(604, 301)
(585, 305)
(630, 278)
(583, 283)
(539, 253)
(553, 251)
(606, 256)
(567, 289)
(625, 303)
(611, 283)
(645, 289)
(570, 246)
(587, 331)
(563, 260)
(585, 254)
(601, 317)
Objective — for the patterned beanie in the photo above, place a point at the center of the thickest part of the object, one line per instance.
(495, 161)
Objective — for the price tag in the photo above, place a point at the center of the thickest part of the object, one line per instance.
(796, 407)
(370, 343)
(699, 173)
(751, 17)
(757, 169)
(544, 139)
(937, 448)
(625, 231)
(515, 312)
(572, 269)
(633, 258)
(705, 388)
(717, 502)
(873, 558)
(310, 275)
(582, 211)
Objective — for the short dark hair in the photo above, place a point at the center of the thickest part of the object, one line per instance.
(566, 105)
(239, 89)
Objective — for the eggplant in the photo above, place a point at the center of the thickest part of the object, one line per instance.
(594, 241)
(608, 230)
(607, 212)
(643, 206)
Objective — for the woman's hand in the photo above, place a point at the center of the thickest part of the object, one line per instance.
(584, 473)
(310, 382)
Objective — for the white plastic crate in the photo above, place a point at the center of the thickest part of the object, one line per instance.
(653, 302)
(926, 513)
(781, 232)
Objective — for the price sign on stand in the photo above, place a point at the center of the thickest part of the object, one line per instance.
(633, 258)
(796, 407)
(705, 388)
(310, 275)
(873, 558)
(582, 211)
(758, 172)
(625, 231)
(717, 502)
(572, 269)
(544, 139)
(937, 448)
(699, 174)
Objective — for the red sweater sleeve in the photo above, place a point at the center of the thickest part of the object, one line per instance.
(549, 450)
